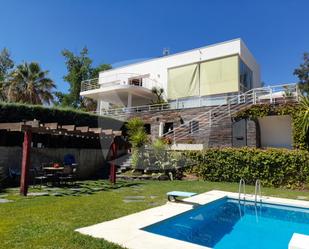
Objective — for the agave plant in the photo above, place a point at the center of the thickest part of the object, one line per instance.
(29, 84)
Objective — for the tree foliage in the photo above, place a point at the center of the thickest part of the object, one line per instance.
(305, 119)
(136, 131)
(79, 68)
(303, 75)
(28, 83)
(6, 64)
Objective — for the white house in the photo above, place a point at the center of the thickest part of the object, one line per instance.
(216, 70)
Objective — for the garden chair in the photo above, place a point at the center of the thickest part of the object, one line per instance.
(39, 175)
(68, 174)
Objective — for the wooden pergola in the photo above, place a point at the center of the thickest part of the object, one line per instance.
(55, 129)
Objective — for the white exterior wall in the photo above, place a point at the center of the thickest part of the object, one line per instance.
(276, 131)
(158, 68)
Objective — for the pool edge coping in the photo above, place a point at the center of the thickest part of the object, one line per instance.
(127, 230)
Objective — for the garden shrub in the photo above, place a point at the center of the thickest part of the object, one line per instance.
(274, 167)
(2, 178)
(15, 112)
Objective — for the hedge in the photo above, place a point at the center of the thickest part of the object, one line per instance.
(274, 167)
(12, 112)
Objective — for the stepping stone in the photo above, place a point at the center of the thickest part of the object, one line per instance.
(76, 189)
(52, 189)
(302, 197)
(5, 201)
(135, 197)
(154, 204)
(38, 194)
(153, 196)
(129, 201)
(97, 189)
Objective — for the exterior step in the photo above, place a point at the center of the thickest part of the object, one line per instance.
(183, 146)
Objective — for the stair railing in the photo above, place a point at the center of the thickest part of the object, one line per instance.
(233, 105)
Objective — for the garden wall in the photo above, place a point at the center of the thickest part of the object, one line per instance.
(91, 162)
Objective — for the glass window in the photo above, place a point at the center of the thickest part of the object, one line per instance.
(147, 128)
(194, 126)
(136, 82)
(245, 77)
(168, 127)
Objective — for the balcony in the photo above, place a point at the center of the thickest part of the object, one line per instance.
(126, 89)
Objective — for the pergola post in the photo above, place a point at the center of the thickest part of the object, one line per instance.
(113, 166)
(24, 179)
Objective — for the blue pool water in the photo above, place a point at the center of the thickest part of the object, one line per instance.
(228, 224)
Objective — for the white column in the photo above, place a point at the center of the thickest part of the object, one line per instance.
(161, 126)
(129, 100)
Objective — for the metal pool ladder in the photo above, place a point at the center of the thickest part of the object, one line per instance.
(242, 189)
(257, 191)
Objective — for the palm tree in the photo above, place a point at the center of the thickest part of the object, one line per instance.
(29, 84)
(305, 119)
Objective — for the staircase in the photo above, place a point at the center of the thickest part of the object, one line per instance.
(123, 163)
(198, 129)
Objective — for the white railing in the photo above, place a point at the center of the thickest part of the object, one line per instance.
(202, 123)
(88, 85)
(119, 79)
(272, 93)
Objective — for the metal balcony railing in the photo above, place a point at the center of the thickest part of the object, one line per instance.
(88, 85)
(258, 95)
(119, 79)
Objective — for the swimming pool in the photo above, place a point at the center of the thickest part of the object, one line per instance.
(230, 224)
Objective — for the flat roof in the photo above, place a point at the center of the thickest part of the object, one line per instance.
(176, 54)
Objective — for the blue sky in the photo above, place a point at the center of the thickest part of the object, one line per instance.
(276, 31)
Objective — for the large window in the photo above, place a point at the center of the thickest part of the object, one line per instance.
(245, 77)
(183, 81)
(219, 76)
(205, 78)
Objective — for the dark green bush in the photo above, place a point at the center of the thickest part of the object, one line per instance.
(2, 178)
(274, 167)
(10, 112)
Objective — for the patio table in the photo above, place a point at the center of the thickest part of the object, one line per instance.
(53, 174)
(53, 169)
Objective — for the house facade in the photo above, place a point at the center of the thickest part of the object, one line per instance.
(203, 88)
(217, 70)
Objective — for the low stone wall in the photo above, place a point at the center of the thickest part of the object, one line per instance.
(91, 162)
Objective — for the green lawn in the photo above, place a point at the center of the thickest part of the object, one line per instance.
(49, 221)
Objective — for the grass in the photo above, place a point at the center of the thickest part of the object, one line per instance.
(49, 221)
